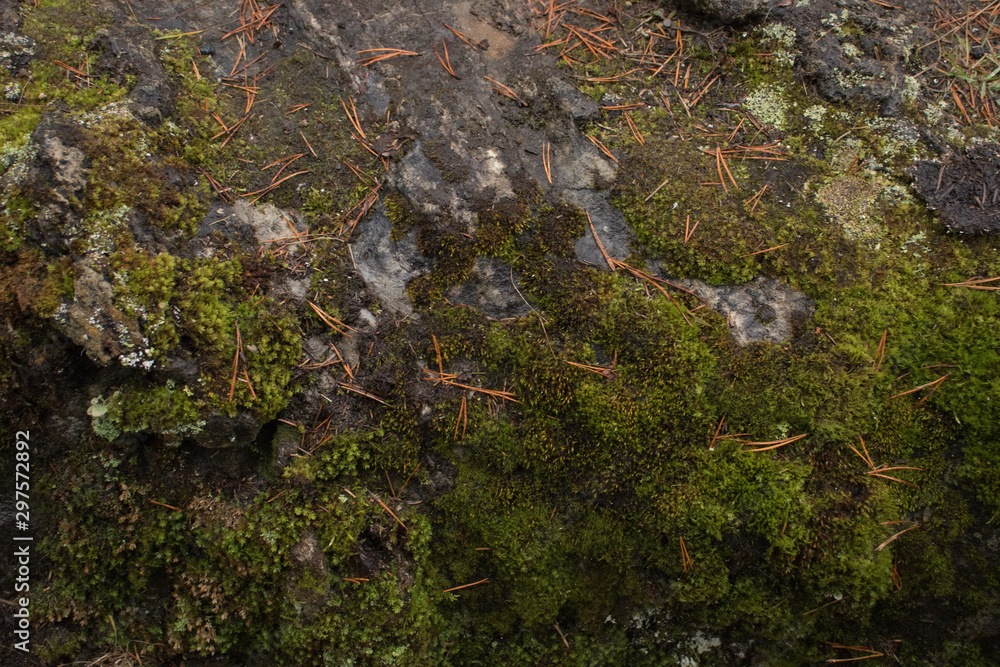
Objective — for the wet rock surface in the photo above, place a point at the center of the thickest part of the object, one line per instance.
(965, 190)
(763, 311)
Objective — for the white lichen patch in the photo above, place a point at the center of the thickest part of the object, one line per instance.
(850, 51)
(15, 159)
(935, 111)
(898, 137)
(102, 228)
(768, 105)
(783, 43)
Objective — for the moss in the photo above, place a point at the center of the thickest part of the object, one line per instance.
(165, 410)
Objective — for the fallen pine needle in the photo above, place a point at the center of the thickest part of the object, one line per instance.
(604, 149)
(383, 54)
(685, 557)
(547, 160)
(771, 444)
(600, 245)
(386, 508)
(465, 38)
(761, 252)
(934, 383)
(890, 540)
(458, 588)
(504, 90)
(169, 507)
(976, 283)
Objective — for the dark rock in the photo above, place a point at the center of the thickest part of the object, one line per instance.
(309, 584)
(220, 431)
(93, 322)
(727, 11)
(285, 442)
(129, 50)
(964, 190)
(492, 289)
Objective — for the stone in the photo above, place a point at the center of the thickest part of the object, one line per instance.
(762, 311)
(386, 265)
(727, 11)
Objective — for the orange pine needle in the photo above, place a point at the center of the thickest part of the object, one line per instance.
(600, 145)
(458, 588)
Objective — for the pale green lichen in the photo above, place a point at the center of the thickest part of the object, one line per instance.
(784, 43)
(768, 105)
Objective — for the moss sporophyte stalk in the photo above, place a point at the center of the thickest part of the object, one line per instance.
(664, 360)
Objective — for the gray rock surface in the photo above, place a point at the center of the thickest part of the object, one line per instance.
(727, 11)
(386, 265)
(764, 310)
(493, 289)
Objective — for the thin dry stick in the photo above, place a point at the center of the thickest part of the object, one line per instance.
(169, 507)
(458, 588)
(561, 635)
